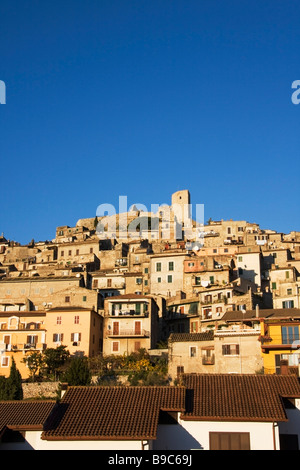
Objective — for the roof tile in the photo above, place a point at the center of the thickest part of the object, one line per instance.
(112, 412)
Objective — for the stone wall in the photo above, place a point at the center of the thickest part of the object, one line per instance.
(40, 390)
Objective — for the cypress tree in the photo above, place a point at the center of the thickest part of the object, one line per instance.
(14, 382)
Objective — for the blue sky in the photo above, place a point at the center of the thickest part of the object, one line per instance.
(143, 98)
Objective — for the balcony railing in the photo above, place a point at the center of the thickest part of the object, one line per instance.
(208, 361)
(22, 347)
(128, 313)
(128, 332)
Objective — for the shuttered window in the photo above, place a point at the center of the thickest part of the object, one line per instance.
(229, 441)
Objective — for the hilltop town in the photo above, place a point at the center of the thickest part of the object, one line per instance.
(218, 302)
(228, 302)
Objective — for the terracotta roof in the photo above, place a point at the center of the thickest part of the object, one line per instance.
(24, 414)
(117, 413)
(231, 397)
(262, 314)
(204, 336)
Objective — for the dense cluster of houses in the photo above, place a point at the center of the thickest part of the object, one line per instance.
(223, 305)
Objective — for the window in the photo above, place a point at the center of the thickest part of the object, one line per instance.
(229, 441)
(108, 282)
(288, 304)
(193, 351)
(240, 258)
(91, 250)
(146, 282)
(171, 266)
(212, 279)
(67, 298)
(170, 278)
(289, 334)
(70, 253)
(146, 270)
(77, 252)
(4, 361)
(139, 280)
(58, 320)
(230, 349)
(158, 267)
(289, 291)
(137, 345)
(207, 313)
(159, 279)
(76, 319)
(95, 283)
(31, 339)
(194, 327)
(84, 298)
(197, 280)
(62, 253)
(58, 337)
(287, 274)
(115, 346)
(191, 265)
(75, 337)
(274, 287)
(138, 308)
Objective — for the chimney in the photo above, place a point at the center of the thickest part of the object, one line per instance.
(257, 311)
(284, 369)
(63, 389)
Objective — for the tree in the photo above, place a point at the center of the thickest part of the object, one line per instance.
(55, 358)
(14, 383)
(3, 388)
(78, 372)
(34, 362)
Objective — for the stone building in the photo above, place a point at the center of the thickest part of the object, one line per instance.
(130, 323)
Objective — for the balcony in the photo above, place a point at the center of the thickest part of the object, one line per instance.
(128, 313)
(208, 361)
(22, 347)
(128, 332)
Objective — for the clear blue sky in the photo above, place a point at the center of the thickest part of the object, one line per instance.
(143, 98)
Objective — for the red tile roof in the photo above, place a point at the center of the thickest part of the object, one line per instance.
(24, 415)
(238, 397)
(112, 412)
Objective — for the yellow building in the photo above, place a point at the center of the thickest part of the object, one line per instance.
(20, 333)
(79, 329)
(280, 342)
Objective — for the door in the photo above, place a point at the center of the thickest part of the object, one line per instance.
(137, 328)
(116, 328)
